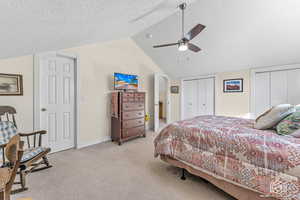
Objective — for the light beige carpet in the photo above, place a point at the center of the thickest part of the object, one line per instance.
(111, 172)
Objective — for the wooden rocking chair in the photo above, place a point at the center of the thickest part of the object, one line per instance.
(34, 155)
(13, 153)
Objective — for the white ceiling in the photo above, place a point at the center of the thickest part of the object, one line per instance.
(240, 34)
(29, 26)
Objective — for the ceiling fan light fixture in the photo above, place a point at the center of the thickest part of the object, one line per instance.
(182, 47)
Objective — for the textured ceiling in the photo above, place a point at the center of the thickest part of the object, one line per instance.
(239, 35)
(29, 26)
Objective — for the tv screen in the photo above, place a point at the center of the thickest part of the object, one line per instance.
(126, 82)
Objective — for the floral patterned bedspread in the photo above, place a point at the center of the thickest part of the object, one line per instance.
(231, 149)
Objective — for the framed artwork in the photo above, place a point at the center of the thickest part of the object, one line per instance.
(233, 85)
(174, 89)
(11, 85)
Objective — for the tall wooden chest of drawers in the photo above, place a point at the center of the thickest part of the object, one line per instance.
(127, 116)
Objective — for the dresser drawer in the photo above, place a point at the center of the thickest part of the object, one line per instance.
(133, 123)
(128, 99)
(133, 132)
(128, 94)
(133, 106)
(133, 114)
(139, 94)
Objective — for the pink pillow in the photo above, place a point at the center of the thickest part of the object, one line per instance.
(296, 134)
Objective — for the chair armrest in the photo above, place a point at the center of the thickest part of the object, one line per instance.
(42, 132)
(35, 138)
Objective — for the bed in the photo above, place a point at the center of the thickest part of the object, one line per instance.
(228, 152)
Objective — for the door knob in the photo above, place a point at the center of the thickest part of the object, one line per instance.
(43, 109)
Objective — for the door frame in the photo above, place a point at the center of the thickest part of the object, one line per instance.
(168, 109)
(213, 76)
(255, 71)
(37, 95)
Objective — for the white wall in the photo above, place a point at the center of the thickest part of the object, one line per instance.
(98, 62)
(233, 104)
(23, 104)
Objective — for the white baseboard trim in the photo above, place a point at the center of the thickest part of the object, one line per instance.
(93, 143)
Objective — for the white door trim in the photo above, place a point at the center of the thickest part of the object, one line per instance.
(36, 91)
(168, 114)
(254, 71)
(213, 76)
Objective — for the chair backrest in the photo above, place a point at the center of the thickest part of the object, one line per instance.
(7, 131)
(13, 152)
(7, 113)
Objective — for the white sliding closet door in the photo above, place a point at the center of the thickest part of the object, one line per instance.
(198, 97)
(201, 93)
(293, 86)
(189, 99)
(262, 93)
(278, 88)
(210, 96)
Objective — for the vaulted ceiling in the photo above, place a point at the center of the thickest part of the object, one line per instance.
(240, 34)
(29, 26)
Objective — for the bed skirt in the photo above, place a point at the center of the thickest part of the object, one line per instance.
(234, 190)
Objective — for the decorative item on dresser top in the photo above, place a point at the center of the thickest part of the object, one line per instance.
(127, 116)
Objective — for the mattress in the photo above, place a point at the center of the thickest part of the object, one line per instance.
(231, 149)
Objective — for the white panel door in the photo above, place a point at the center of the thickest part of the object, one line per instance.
(293, 77)
(57, 91)
(262, 93)
(189, 99)
(279, 88)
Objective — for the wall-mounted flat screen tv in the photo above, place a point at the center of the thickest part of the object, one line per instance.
(125, 81)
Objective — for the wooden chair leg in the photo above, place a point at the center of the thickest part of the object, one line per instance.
(46, 161)
(23, 179)
(22, 174)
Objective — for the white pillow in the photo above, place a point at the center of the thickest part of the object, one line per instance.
(270, 118)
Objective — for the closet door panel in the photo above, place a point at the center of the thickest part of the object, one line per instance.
(189, 99)
(262, 93)
(202, 93)
(210, 93)
(279, 88)
(293, 86)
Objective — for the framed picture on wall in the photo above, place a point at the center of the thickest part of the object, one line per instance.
(11, 85)
(174, 89)
(233, 85)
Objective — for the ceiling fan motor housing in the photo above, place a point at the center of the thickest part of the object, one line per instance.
(182, 6)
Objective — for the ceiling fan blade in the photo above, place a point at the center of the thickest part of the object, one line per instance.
(193, 48)
(195, 31)
(165, 45)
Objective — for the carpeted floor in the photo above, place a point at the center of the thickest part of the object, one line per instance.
(111, 172)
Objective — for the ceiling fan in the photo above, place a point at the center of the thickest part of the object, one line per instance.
(184, 43)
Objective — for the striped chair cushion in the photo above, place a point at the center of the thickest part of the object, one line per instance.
(31, 153)
(7, 131)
